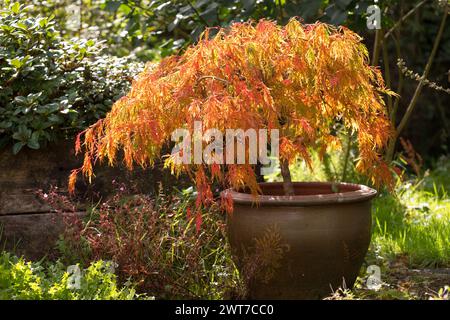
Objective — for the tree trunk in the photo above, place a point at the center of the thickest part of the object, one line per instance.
(287, 181)
(259, 176)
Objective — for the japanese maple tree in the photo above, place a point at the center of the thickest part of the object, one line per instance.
(299, 79)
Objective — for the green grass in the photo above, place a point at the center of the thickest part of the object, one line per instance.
(412, 222)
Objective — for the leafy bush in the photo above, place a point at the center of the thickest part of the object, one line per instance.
(21, 280)
(50, 87)
(115, 23)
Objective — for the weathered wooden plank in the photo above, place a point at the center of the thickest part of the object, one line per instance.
(33, 236)
(22, 175)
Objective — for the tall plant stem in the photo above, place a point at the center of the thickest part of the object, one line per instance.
(287, 181)
(413, 102)
(280, 9)
(393, 113)
(347, 157)
(376, 47)
(387, 73)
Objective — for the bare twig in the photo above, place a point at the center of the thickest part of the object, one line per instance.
(402, 19)
(387, 73)
(393, 114)
(413, 102)
(376, 47)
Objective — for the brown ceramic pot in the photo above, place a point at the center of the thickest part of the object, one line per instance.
(326, 229)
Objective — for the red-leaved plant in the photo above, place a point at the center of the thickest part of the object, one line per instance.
(299, 79)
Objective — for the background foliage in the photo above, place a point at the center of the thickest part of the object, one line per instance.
(50, 87)
(146, 30)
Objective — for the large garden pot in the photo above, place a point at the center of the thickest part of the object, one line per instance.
(324, 229)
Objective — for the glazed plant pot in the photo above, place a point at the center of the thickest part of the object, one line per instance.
(325, 230)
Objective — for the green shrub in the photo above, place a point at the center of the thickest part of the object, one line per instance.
(21, 280)
(50, 87)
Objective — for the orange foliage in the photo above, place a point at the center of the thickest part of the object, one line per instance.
(300, 79)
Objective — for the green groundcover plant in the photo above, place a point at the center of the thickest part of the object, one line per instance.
(21, 280)
(50, 87)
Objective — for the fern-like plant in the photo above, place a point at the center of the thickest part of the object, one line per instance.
(299, 79)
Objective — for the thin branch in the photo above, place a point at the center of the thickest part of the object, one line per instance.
(402, 19)
(387, 73)
(394, 110)
(280, 9)
(376, 47)
(214, 78)
(347, 156)
(198, 14)
(413, 102)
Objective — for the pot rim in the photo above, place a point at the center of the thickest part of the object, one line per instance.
(361, 193)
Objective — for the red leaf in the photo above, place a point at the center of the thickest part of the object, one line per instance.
(198, 221)
(189, 213)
